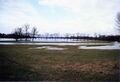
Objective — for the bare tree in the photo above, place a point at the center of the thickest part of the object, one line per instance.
(26, 29)
(95, 36)
(17, 34)
(51, 36)
(34, 33)
(46, 35)
(20, 32)
(67, 36)
(118, 22)
(56, 35)
(77, 35)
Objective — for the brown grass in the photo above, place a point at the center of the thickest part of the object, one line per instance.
(93, 68)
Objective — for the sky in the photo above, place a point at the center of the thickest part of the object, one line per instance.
(60, 16)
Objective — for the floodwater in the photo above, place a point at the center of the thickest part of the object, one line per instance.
(113, 46)
(48, 40)
(60, 42)
(63, 42)
(4, 39)
(48, 48)
(55, 43)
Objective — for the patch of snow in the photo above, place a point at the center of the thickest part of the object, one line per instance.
(49, 48)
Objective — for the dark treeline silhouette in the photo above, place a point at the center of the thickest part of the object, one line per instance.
(13, 36)
(33, 36)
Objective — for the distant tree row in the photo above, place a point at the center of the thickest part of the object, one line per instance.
(18, 35)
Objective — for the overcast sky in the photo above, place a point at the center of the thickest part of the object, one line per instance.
(60, 16)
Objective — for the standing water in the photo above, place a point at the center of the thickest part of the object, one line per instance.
(114, 45)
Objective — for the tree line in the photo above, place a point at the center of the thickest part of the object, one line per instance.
(18, 34)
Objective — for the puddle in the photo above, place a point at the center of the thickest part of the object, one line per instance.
(48, 48)
(114, 45)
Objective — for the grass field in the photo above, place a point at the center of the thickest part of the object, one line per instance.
(18, 62)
